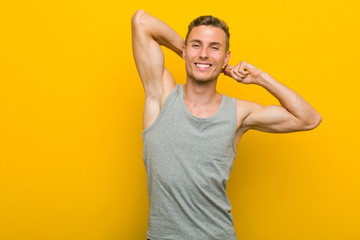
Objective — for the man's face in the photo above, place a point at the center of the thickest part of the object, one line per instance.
(205, 53)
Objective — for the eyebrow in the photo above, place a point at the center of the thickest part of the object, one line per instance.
(211, 44)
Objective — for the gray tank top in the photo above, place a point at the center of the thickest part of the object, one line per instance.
(188, 162)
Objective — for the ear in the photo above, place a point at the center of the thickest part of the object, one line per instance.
(227, 58)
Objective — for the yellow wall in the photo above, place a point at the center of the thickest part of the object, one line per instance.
(71, 105)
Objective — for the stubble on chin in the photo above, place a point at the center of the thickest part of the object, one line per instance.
(202, 79)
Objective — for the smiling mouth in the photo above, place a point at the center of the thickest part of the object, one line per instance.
(203, 66)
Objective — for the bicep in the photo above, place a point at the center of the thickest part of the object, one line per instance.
(271, 118)
(148, 56)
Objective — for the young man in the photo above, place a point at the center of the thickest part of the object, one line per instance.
(191, 131)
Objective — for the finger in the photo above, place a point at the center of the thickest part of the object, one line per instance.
(230, 73)
(244, 72)
(233, 75)
(227, 69)
(248, 67)
(238, 70)
(244, 68)
(237, 67)
(236, 74)
(239, 75)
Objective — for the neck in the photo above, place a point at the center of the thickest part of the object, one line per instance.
(201, 93)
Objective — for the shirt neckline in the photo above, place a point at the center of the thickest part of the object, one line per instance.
(187, 111)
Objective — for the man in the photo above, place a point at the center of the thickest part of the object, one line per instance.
(191, 131)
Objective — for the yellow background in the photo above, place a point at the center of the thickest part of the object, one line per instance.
(71, 106)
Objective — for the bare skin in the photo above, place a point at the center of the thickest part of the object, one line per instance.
(205, 57)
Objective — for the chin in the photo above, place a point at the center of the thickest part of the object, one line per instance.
(204, 79)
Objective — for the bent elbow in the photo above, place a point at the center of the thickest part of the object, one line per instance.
(315, 123)
(136, 17)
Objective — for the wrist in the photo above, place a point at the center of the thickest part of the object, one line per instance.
(264, 79)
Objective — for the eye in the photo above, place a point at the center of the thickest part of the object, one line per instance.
(196, 45)
(214, 48)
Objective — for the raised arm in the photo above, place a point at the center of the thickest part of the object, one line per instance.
(148, 33)
(294, 114)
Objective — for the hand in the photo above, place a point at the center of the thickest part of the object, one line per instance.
(243, 72)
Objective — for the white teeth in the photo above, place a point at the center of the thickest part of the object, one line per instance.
(203, 65)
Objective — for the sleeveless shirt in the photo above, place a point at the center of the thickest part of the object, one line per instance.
(188, 161)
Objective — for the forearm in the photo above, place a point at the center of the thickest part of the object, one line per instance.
(290, 100)
(162, 33)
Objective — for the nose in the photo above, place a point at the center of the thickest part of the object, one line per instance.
(203, 53)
